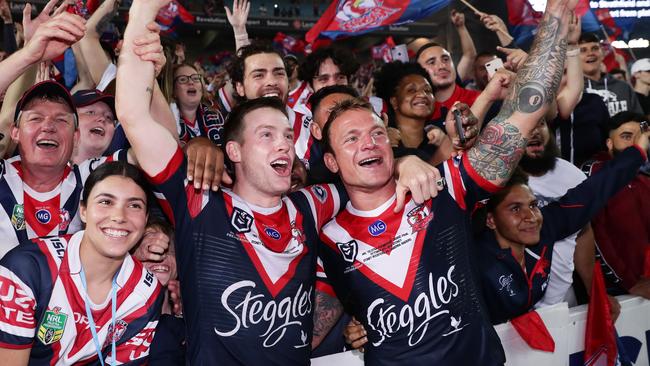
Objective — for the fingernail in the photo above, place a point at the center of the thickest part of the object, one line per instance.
(206, 187)
(190, 178)
(197, 185)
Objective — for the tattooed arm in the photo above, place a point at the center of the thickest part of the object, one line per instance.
(91, 50)
(502, 143)
(328, 311)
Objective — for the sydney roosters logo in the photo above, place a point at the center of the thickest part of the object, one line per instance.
(354, 15)
(419, 218)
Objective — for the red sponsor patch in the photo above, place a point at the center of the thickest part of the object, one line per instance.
(16, 306)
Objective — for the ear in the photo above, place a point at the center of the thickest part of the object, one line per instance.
(315, 130)
(610, 144)
(330, 162)
(233, 149)
(239, 87)
(489, 221)
(393, 103)
(14, 133)
(82, 212)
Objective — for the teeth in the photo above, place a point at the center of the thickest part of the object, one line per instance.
(368, 161)
(97, 130)
(159, 268)
(271, 95)
(47, 143)
(279, 163)
(116, 233)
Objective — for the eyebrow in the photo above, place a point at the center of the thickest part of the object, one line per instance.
(130, 199)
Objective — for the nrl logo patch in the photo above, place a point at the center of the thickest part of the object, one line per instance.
(18, 217)
(52, 326)
(348, 250)
(241, 220)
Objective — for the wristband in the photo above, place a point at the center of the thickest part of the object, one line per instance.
(573, 52)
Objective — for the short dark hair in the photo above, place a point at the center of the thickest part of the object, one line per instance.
(617, 71)
(341, 57)
(234, 126)
(387, 80)
(588, 38)
(624, 117)
(337, 111)
(121, 169)
(519, 177)
(316, 98)
(424, 47)
(237, 67)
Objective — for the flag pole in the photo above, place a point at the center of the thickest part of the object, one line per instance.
(478, 12)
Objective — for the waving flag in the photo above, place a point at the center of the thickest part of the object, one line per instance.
(173, 15)
(600, 334)
(354, 17)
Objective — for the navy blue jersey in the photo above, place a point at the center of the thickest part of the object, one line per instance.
(247, 273)
(407, 277)
(44, 309)
(508, 290)
(209, 123)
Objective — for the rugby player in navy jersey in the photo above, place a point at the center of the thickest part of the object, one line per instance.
(407, 278)
(246, 256)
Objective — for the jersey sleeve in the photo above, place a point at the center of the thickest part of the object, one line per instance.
(322, 283)
(177, 197)
(464, 184)
(18, 300)
(325, 200)
(574, 210)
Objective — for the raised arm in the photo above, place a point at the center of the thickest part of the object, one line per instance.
(502, 143)
(237, 19)
(91, 50)
(466, 62)
(569, 96)
(152, 144)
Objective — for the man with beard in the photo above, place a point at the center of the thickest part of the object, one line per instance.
(550, 177)
(622, 228)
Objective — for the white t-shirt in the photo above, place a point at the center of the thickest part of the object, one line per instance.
(549, 188)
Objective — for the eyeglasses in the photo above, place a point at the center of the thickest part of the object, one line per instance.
(184, 79)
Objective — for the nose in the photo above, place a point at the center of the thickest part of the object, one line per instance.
(49, 124)
(369, 142)
(531, 214)
(283, 144)
(118, 213)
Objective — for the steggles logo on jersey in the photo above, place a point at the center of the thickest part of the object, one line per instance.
(43, 216)
(115, 334)
(276, 315)
(241, 220)
(505, 282)
(388, 319)
(18, 217)
(419, 217)
(377, 228)
(349, 250)
(52, 326)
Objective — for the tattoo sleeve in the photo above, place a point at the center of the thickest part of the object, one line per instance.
(502, 143)
(328, 311)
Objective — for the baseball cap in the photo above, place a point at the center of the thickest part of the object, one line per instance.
(87, 97)
(47, 88)
(641, 65)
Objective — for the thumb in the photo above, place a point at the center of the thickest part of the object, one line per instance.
(400, 191)
(27, 13)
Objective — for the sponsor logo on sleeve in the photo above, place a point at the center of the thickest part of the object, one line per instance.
(52, 326)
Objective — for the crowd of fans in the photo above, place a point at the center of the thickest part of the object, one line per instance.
(156, 210)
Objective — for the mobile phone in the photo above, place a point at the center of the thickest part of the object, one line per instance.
(459, 126)
(400, 53)
(493, 66)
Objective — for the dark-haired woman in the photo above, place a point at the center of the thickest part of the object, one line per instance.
(514, 253)
(407, 90)
(83, 298)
